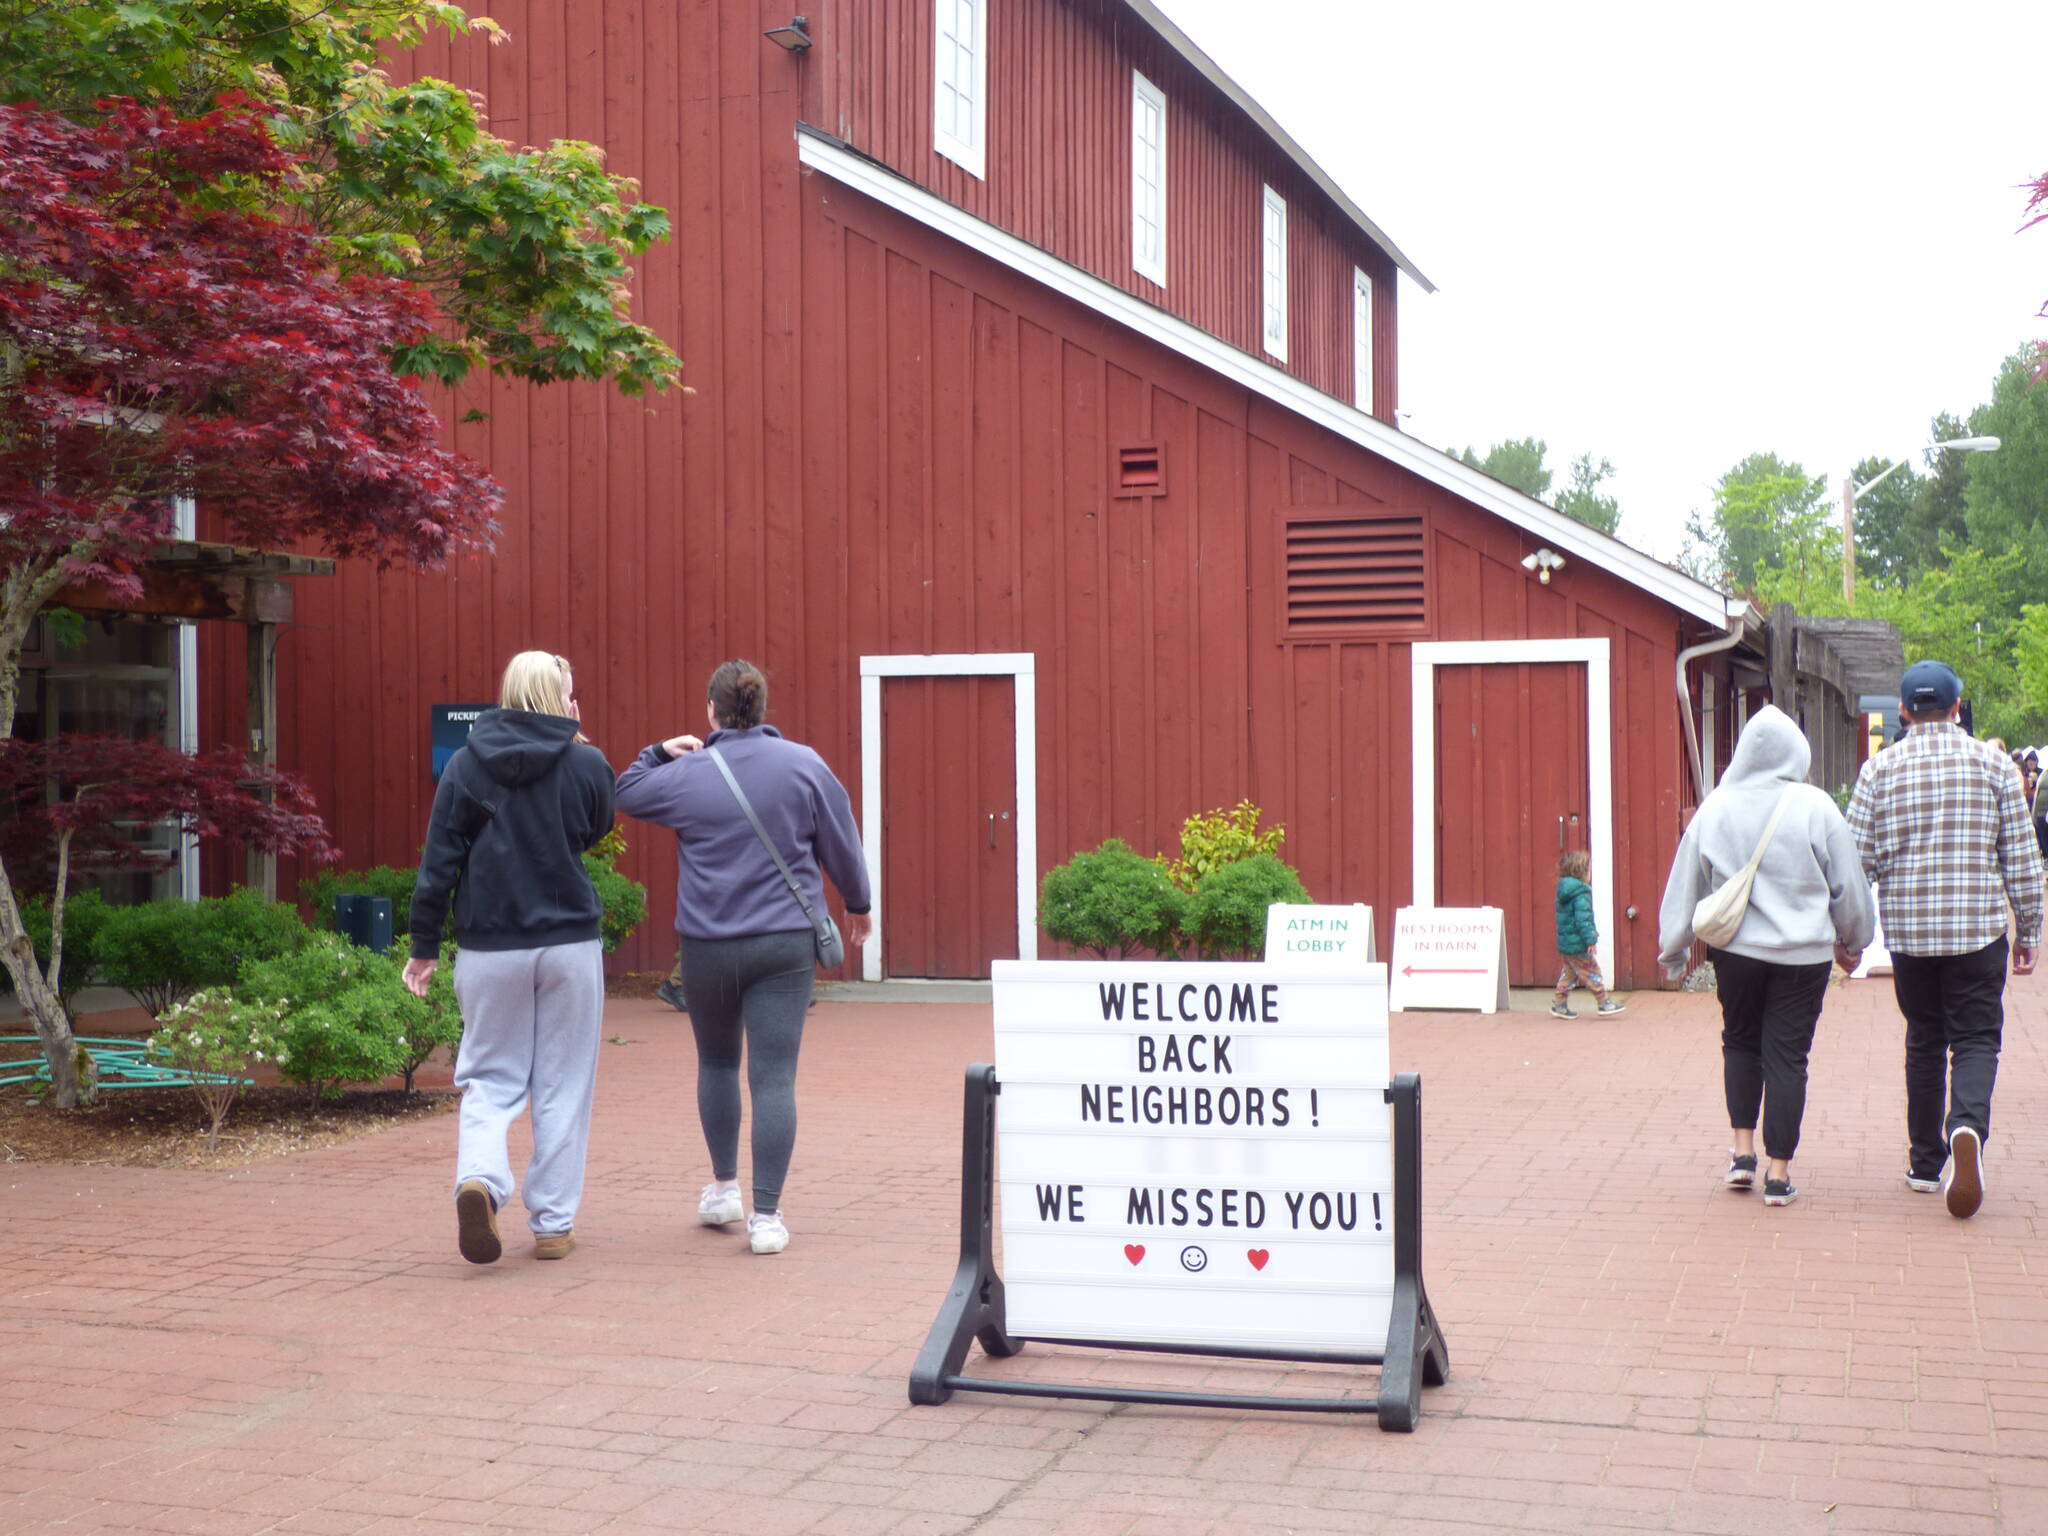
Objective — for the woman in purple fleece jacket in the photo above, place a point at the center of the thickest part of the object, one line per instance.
(748, 957)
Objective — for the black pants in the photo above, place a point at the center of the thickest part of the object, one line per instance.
(1768, 1014)
(1955, 1023)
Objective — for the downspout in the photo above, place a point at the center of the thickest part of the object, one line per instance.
(1692, 730)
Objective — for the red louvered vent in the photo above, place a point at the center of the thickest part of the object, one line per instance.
(1141, 471)
(1355, 575)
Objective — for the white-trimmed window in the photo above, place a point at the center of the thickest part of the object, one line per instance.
(960, 76)
(1273, 275)
(1148, 179)
(1361, 339)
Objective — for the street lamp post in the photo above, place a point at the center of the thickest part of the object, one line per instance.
(1851, 490)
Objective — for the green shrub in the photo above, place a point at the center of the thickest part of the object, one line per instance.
(395, 885)
(164, 951)
(1111, 902)
(348, 1017)
(85, 919)
(1210, 841)
(211, 1038)
(624, 900)
(433, 1022)
(1228, 919)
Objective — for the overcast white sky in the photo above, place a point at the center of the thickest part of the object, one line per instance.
(1677, 235)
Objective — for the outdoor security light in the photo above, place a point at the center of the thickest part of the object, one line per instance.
(796, 37)
(1543, 562)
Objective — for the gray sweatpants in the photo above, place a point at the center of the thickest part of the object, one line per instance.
(531, 1020)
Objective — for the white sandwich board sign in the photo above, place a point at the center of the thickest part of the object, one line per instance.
(1320, 936)
(1449, 957)
(1195, 1155)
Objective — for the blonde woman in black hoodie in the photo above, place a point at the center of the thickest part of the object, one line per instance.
(515, 811)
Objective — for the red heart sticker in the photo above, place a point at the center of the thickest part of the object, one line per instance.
(1258, 1256)
(1134, 1251)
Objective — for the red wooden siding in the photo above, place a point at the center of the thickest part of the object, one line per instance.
(1059, 167)
(896, 446)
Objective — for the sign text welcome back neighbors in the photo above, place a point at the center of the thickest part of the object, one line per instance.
(1195, 1154)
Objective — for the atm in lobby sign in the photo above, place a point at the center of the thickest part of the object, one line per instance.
(1195, 1155)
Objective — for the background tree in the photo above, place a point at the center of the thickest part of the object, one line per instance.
(1936, 518)
(1518, 463)
(158, 335)
(524, 250)
(1766, 512)
(1884, 518)
(2005, 497)
(1582, 499)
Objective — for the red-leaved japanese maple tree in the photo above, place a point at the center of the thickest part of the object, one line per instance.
(163, 334)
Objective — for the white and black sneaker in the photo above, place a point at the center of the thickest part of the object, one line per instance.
(1741, 1170)
(1780, 1192)
(1962, 1182)
(1921, 1186)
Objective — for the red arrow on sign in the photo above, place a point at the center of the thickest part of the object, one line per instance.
(1416, 970)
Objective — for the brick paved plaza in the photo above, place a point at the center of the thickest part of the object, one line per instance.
(297, 1348)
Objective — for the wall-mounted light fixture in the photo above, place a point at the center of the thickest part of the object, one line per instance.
(1543, 562)
(796, 37)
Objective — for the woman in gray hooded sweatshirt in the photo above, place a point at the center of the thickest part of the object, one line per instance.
(1809, 897)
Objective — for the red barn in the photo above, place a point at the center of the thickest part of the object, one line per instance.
(1041, 449)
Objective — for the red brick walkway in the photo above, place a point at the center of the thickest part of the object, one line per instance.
(296, 1347)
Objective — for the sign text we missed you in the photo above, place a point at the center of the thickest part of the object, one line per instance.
(1195, 1154)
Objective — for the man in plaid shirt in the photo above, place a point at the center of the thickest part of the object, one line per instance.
(1944, 832)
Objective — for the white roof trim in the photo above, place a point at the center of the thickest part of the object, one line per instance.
(1207, 67)
(1565, 534)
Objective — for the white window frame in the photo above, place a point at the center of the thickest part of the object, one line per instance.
(1361, 340)
(1593, 653)
(1022, 668)
(960, 73)
(1148, 181)
(1273, 273)
(185, 525)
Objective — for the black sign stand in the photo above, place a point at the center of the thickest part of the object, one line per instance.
(1415, 1355)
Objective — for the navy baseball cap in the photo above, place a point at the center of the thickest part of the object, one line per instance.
(1929, 685)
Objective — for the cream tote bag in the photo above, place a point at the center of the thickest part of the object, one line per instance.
(1718, 917)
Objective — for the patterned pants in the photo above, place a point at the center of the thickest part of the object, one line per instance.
(1580, 971)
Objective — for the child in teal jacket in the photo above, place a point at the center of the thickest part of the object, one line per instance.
(1576, 936)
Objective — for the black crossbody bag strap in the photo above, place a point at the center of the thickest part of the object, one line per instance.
(796, 890)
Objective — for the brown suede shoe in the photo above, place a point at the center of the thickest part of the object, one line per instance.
(553, 1245)
(476, 1223)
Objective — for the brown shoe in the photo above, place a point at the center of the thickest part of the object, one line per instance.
(476, 1223)
(553, 1245)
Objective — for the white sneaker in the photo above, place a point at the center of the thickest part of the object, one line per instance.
(766, 1233)
(1962, 1181)
(718, 1206)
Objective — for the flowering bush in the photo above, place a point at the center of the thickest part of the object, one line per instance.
(434, 1021)
(347, 1015)
(212, 1038)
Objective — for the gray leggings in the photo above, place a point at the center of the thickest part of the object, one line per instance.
(753, 989)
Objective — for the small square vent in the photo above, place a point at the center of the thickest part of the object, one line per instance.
(1141, 470)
